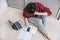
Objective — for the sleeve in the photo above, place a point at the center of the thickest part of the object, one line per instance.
(25, 13)
(48, 11)
(45, 9)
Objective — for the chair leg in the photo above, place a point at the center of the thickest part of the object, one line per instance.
(58, 17)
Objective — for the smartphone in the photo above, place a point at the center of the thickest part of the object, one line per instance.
(28, 29)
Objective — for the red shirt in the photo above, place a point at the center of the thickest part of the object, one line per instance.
(39, 8)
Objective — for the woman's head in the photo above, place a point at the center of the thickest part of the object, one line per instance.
(31, 7)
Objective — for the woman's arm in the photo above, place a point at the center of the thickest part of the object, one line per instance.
(41, 13)
(26, 22)
(45, 9)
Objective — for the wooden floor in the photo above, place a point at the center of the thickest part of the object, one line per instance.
(7, 33)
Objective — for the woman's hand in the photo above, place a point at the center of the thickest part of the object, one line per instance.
(27, 24)
(36, 13)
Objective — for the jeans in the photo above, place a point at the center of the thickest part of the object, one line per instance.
(40, 22)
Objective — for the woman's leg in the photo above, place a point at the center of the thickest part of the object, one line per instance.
(39, 24)
(44, 19)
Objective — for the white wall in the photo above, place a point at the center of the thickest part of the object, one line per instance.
(3, 5)
(19, 4)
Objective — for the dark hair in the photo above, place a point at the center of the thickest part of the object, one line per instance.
(31, 7)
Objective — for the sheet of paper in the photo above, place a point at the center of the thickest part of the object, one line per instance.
(24, 35)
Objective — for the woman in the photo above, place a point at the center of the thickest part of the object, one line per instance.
(36, 13)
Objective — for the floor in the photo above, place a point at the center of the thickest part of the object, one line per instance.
(7, 33)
